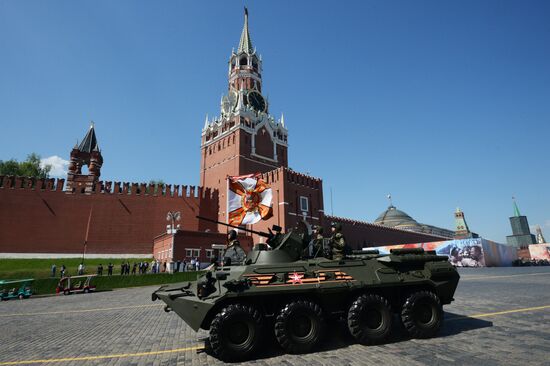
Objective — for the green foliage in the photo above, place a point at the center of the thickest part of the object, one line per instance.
(28, 168)
(160, 186)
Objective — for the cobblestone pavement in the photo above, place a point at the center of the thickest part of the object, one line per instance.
(501, 316)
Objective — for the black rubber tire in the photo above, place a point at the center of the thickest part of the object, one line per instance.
(299, 326)
(422, 314)
(370, 319)
(21, 297)
(66, 292)
(235, 332)
(86, 290)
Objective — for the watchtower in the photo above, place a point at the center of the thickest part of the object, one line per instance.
(85, 155)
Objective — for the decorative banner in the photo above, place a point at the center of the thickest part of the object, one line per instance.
(249, 200)
(540, 251)
(474, 252)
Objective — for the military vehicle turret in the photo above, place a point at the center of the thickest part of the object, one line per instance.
(278, 290)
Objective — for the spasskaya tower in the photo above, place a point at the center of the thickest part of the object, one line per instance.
(245, 138)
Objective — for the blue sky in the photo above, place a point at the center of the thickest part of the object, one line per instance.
(441, 104)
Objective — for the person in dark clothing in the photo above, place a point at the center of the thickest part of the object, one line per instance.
(100, 270)
(134, 268)
(110, 269)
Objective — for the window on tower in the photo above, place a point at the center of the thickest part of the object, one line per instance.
(243, 61)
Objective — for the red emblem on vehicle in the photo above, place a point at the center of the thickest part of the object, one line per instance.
(296, 278)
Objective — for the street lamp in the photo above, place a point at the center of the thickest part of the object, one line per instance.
(172, 216)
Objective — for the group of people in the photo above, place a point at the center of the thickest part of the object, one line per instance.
(333, 247)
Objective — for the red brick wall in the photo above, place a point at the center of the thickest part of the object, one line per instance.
(45, 219)
(185, 239)
(360, 234)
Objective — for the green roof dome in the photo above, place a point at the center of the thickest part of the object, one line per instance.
(393, 217)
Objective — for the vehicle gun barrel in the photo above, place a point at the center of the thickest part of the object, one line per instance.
(265, 235)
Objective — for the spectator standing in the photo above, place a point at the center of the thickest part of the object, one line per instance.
(197, 264)
(192, 264)
(80, 268)
(54, 269)
(122, 269)
(184, 266)
(100, 270)
(134, 267)
(127, 268)
(62, 272)
(110, 269)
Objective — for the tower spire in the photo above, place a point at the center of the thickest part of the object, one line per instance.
(516, 209)
(245, 44)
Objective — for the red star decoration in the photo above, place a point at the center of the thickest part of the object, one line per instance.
(296, 278)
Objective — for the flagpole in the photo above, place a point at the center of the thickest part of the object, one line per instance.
(87, 233)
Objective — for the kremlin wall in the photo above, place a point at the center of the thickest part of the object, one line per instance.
(40, 216)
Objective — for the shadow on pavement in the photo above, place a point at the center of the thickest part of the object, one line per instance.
(338, 335)
(456, 323)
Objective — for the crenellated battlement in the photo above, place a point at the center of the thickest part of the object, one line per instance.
(291, 176)
(109, 187)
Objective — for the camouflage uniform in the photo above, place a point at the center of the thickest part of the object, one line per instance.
(234, 250)
(337, 242)
(316, 243)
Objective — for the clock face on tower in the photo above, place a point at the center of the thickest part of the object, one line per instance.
(232, 98)
(256, 100)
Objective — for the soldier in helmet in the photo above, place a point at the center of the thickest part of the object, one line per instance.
(234, 254)
(316, 244)
(337, 241)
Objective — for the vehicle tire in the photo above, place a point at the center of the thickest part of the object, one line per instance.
(235, 332)
(299, 326)
(422, 314)
(21, 296)
(86, 290)
(370, 319)
(66, 292)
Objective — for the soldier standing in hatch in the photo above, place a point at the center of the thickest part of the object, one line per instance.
(337, 241)
(315, 247)
(234, 252)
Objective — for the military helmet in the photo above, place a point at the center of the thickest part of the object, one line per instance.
(232, 235)
(337, 226)
(318, 228)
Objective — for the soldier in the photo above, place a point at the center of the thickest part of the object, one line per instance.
(337, 241)
(315, 247)
(234, 254)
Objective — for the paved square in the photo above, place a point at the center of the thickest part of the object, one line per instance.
(501, 316)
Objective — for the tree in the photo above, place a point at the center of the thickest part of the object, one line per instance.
(28, 168)
(157, 183)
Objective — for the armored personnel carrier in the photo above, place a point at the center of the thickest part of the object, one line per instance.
(279, 291)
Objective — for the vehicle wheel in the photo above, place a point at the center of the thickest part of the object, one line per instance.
(86, 290)
(21, 296)
(422, 314)
(235, 332)
(370, 319)
(299, 326)
(66, 292)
